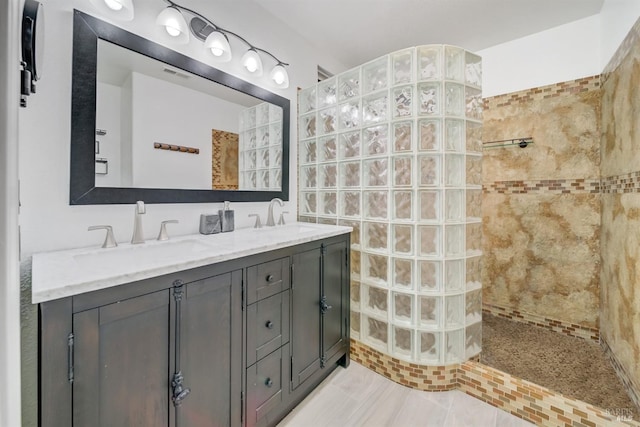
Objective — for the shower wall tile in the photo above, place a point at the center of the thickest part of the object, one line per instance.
(620, 279)
(541, 204)
(542, 254)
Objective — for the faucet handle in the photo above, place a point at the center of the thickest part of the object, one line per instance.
(109, 240)
(140, 208)
(258, 224)
(281, 220)
(163, 229)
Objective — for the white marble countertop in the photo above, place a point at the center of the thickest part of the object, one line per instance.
(65, 273)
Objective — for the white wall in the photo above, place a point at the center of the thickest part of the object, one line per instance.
(9, 256)
(48, 222)
(567, 52)
(108, 105)
(616, 19)
(167, 113)
(560, 54)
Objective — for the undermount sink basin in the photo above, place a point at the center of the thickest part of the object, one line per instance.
(140, 254)
(296, 228)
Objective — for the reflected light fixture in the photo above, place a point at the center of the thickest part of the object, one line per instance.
(216, 40)
(117, 9)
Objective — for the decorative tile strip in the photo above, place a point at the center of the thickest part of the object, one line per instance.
(632, 38)
(571, 329)
(420, 377)
(543, 92)
(630, 386)
(544, 186)
(532, 402)
(627, 183)
(521, 398)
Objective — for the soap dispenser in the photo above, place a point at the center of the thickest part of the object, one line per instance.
(226, 218)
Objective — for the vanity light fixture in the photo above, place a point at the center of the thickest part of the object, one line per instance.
(219, 45)
(117, 9)
(216, 40)
(252, 62)
(174, 23)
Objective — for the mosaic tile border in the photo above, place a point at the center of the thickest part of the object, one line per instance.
(633, 389)
(584, 84)
(521, 398)
(544, 186)
(420, 377)
(626, 183)
(633, 37)
(534, 403)
(571, 329)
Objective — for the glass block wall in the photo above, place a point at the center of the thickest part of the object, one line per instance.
(260, 148)
(393, 149)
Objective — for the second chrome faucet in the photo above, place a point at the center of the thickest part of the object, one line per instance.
(138, 233)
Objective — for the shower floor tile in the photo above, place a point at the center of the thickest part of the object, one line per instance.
(570, 366)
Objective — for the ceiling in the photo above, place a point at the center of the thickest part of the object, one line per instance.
(357, 31)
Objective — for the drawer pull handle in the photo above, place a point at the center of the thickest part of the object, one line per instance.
(269, 324)
(268, 382)
(270, 278)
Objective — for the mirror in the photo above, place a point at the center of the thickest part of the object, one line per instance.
(151, 124)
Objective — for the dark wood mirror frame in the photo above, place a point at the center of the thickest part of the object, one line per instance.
(83, 191)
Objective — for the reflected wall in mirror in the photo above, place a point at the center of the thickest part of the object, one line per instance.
(130, 94)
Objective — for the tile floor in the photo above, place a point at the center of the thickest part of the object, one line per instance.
(358, 396)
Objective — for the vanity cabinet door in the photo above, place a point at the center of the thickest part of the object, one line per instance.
(210, 339)
(305, 309)
(122, 363)
(334, 301)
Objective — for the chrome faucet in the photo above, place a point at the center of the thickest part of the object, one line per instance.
(138, 234)
(270, 221)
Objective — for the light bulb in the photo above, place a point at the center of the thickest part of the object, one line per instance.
(251, 64)
(251, 61)
(113, 4)
(218, 43)
(121, 10)
(174, 24)
(279, 76)
(172, 28)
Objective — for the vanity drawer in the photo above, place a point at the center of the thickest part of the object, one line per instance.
(265, 391)
(269, 278)
(267, 326)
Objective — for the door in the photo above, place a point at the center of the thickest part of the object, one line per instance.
(121, 363)
(334, 300)
(305, 322)
(210, 339)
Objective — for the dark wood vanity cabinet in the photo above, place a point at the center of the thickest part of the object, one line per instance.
(238, 343)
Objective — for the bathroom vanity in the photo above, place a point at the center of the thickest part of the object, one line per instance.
(232, 329)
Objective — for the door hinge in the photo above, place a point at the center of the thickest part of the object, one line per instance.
(70, 343)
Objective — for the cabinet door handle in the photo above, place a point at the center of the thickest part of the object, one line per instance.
(268, 382)
(324, 307)
(269, 324)
(270, 278)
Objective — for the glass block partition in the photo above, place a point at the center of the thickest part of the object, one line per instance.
(393, 148)
(260, 148)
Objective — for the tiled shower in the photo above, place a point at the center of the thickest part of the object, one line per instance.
(393, 148)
